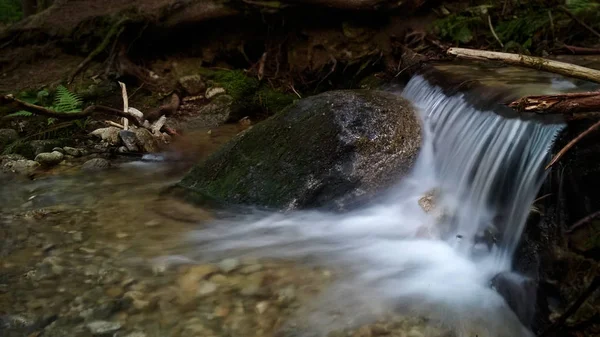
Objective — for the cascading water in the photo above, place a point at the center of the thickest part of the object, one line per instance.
(487, 170)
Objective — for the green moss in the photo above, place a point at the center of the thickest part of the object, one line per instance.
(271, 100)
(10, 11)
(248, 93)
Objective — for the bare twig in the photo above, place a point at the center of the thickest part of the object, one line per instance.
(583, 221)
(583, 24)
(551, 24)
(261, 66)
(111, 123)
(494, 32)
(572, 143)
(125, 104)
(294, 90)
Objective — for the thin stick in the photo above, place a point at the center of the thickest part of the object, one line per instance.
(111, 123)
(494, 32)
(572, 143)
(295, 92)
(551, 24)
(125, 104)
(583, 221)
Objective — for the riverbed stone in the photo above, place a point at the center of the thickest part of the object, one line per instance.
(103, 328)
(95, 164)
(146, 141)
(71, 151)
(330, 150)
(129, 140)
(192, 84)
(49, 158)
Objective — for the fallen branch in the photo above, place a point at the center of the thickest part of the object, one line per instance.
(125, 104)
(580, 105)
(89, 111)
(572, 143)
(538, 63)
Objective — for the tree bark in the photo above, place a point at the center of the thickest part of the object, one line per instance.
(573, 106)
(538, 63)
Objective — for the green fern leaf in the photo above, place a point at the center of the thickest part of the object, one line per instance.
(21, 113)
(66, 101)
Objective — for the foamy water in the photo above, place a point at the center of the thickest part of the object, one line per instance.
(487, 170)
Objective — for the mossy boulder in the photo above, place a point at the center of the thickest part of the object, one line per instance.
(324, 151)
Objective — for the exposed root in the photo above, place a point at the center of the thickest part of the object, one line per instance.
(584, 221)
(572, 143)
(89, 111)
(115, 31)
(165, 110)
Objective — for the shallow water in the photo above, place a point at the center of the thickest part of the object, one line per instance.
(79, 250)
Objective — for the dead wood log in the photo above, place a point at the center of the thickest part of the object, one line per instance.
(572, 143)
(89, 111)
(573, 106)
(538, 63)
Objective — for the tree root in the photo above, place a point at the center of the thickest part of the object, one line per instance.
(115, 31)
(572, 143)
(165, 110)
(89, 111)
(583, 221)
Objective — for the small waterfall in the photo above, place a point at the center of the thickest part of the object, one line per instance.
(487, 170)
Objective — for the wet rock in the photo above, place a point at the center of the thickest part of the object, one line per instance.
(332, 150)
(253, 268)
(7, 136)
(103, 328)
(59, 149)
(229, 265)
(49, 158)
(96, 164)
(109, 134)
(206, 288)
(210, 115)
(47, 145)
(71, 151)
(129, 140)
(20, 167)
(261, 307)
(192, 84)
(136, 334)
(146, 141)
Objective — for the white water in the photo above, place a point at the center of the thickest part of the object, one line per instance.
(488, 170)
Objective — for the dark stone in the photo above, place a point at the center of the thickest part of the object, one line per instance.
(96, 164)
(129, 140)
(326, 150)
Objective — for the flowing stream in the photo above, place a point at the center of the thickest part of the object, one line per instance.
(485, 168)
(84, 252)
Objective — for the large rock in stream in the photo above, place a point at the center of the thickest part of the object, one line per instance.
(327, 150)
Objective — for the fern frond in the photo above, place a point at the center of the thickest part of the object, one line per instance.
(21, 113)
(66, 101)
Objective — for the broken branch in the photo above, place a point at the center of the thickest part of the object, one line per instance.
(538, 63)
(579, 105)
